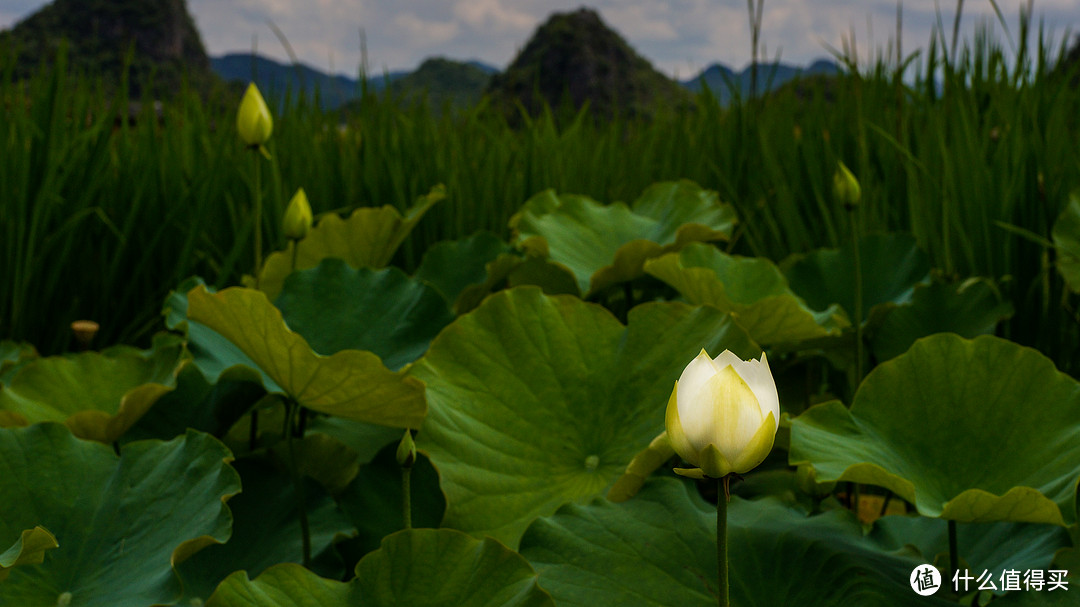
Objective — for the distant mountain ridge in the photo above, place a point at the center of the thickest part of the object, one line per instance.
(436, 76)
(720, 79)
(275, 78)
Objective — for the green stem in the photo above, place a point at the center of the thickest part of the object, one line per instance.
(295, 250)
(298, 485)
(258, 217)
(858, 300)
(954, 561)
(721, 543)
(406, 497)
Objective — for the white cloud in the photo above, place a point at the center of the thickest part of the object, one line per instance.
(492, 15)
(425, 33)
(681, 36)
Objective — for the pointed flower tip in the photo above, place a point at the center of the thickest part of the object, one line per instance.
(298, 218)
(254, 121)
(846, 187)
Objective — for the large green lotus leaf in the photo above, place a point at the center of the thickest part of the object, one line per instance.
(350, 384)
(751, 288)
(993, 547)
(452, 266)
(447, 568)
(369, 237)
(99, 395)
(659, 549)
(536, 401)
(335, 308)
(215, 356)
(975, 430)
(891, 266)
(29, 549)
(284, 585)
(969, 309)
(197, 404)
(606, 244)
(123, 522)
(1066, 235)
(266, 531)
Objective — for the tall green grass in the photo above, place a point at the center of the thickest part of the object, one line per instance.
(974, 151)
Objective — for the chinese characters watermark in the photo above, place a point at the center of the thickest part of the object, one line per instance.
(926, 580)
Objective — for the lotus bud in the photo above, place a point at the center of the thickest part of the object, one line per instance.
(846, 187)
(298, 218)
(253, 121)
(723, 415)
(406, 451)
(84, 331)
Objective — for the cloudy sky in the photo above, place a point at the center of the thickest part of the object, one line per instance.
(680, 37)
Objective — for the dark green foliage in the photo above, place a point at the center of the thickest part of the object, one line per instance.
(156, 39)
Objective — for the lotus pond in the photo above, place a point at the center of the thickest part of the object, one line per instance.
(400, 408)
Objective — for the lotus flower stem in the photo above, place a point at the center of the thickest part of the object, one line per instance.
(258, 218)
(406, 497)
(857, 312)
(291, 409)
(722, 496)
(954, 560)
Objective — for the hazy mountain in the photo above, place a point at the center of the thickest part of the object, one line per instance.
(160, 36)
(576, 57)
(442, 81)
(720, 78)
(441, 78)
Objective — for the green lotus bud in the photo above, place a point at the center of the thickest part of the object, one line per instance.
(406, 451)
(298, 218)
(846, 187)
(723, 415)
(253, 121)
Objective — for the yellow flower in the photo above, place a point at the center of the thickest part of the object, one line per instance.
(846, 187)
(723, 414)
(298, 218)
(253, 121)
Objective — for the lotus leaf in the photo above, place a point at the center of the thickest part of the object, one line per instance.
(284, 585)
(969, 309)
(266, 531)
(350, 384)
(29, 549)
(367, 238)
(453, 266)
(604, 245)
(122, 522)
(891, 266)
(335, 307)
(447, 568)
(659, 549)
(536, 401)
(751, 289)
(949, 426)
(419, 567)
(99, 395)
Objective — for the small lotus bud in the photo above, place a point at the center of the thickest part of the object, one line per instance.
(298, 218)
(846, 187)
(253, 121)
(406, 451)
(84, 331)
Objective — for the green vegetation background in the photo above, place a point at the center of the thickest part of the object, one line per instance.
(975, 156)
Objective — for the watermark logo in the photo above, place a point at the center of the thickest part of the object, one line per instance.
(925, 580)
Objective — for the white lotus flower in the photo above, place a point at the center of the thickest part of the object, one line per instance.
(723, 414)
